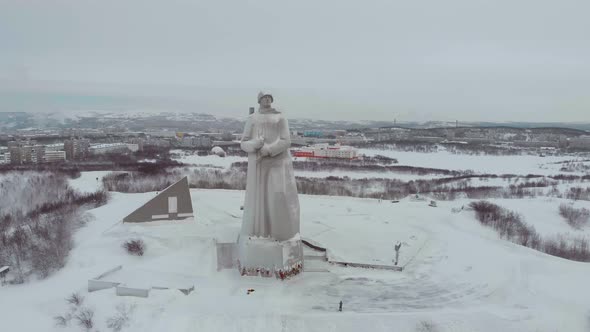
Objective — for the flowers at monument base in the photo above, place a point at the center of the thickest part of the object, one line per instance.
(284, 273)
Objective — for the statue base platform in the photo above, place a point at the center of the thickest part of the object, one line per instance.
(269, 258)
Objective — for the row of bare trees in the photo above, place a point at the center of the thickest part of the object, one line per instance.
(511, 226)
(409, 145)
(206, 178)
(448, 188)
(574, 166)
(36, 234)
(20, 191)
(362, 166)
(397, 145)
(575, 217)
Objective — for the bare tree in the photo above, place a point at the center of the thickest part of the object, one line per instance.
(37, 220)
(576, 218)
(75, 299)
(85, 317)
(62, 320)
(426, 326)
(121, 318)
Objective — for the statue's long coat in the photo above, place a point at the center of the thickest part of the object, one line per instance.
(271, 208)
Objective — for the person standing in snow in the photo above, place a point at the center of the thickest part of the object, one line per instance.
(397, 247)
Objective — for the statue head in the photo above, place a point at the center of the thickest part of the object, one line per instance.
(265, 99)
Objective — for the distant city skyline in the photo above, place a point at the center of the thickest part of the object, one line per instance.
(471, 60)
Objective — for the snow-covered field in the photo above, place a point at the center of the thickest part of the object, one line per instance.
(88, 181)
(225, 162)
(211, 160)
(458, 275)
(484, 164)
(519, 165)
(543, 213)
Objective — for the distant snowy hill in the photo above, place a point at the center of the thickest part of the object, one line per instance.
(184, 120)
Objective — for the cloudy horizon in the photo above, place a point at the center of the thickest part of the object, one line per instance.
(471, 60)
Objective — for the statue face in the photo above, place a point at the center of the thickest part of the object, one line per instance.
(265, 101)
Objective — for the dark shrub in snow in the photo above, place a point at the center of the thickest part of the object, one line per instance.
(574, 217)
(134, 247)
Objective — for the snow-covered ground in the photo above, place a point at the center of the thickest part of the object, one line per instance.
(458, 274)
(485, 164)
(519, 165)
(187, 157)
(577, 165)
(88, 181)
(543, 213)
(225, 162)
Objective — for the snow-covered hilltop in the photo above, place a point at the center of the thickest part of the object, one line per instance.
(458, 275)
(463, 270)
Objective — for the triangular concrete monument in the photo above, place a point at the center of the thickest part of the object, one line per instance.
(171, 204)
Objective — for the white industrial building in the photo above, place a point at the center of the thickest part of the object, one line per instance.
(327, 151)
(196, 141)
(76, 148)
(114, 147)
(4, 155)
(55, 147)
(5, 158)
(54, 156)
(31, 154)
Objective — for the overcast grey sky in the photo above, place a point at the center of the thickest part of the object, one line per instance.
(501, 60)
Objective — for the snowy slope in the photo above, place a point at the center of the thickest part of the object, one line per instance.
(458, 274)
(88, 181)
(543, 213)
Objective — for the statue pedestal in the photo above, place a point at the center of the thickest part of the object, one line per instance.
(266, 257)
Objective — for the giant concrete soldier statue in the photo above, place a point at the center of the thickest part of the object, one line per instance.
(271, 209)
